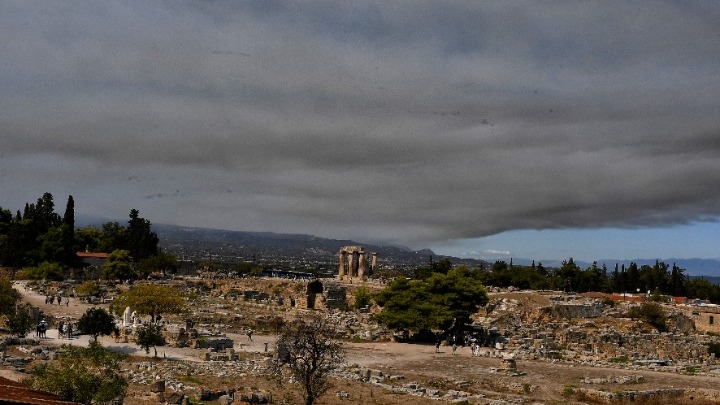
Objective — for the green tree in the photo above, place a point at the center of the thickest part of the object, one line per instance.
(435, 303)
(119, 266)
(441, 266)
(149, 335)
(45, 271)
(114, 237)
(88, 289)
(633, 277)
(652, 313)
(69, 257)
(21, 321)
(45, 212)
(460, 291)
(17, 244)
(86, 375)
(88, 239)
(248, 268)
(95, 322)
(699, 288)
(41, 216)
(714, 348)
(363, 297)
(163, 262)
(36, 235)
(406, 306)
(6, 219)
(150, 299)
(142, 241)
(310, 354)
(9, 296)
(677, 281)
(52, 245)
(208, 264)
(500, 275)
(568, 276)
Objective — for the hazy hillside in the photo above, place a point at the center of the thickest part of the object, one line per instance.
(224, 242)
(228, 243)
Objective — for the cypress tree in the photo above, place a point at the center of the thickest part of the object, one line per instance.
(70, 258)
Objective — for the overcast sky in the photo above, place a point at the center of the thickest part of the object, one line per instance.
(425, 123)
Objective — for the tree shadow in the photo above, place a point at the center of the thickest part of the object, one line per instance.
(123, 349)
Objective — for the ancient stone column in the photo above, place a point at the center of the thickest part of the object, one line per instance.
(351, 264)
(361, 265)
(341, 267)
(373, 264)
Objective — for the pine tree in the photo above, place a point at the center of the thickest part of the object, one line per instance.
(142, 242)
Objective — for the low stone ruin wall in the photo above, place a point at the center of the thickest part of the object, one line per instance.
(614, 397)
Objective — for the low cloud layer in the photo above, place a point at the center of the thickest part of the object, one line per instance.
(406, 121)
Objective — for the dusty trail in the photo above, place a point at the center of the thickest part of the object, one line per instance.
(363, 354)
(77, 308)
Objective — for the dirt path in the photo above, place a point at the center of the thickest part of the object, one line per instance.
(77, 308)
(363, 354)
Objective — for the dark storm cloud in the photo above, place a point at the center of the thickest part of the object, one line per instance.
(406, 120)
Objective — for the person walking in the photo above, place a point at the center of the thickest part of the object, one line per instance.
(42, 328)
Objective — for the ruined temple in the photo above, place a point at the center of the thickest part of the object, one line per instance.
(353, 263)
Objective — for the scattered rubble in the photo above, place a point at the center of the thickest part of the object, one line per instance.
(516, 326)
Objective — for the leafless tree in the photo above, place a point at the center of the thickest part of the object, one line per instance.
(309, 352)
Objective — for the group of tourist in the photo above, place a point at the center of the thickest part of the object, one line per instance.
(65, 330)
(473, 342)
(50, 300)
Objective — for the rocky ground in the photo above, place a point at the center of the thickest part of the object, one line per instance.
(385, 372)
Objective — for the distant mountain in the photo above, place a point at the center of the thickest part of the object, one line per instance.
(179, 239)
(193, 241)
(85, 220)
(243, 245)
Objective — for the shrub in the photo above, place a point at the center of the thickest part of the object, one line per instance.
(44, 271)
(652, 313)
(88, 289)
(363, 297)
(620, 359)
(86, 375)
(95, 322)
(568, 391)
(608, 302)
(714, 348)
(21, 321)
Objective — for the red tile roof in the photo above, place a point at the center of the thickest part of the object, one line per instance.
(16, 393)
(627, 297)
(679, 300)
